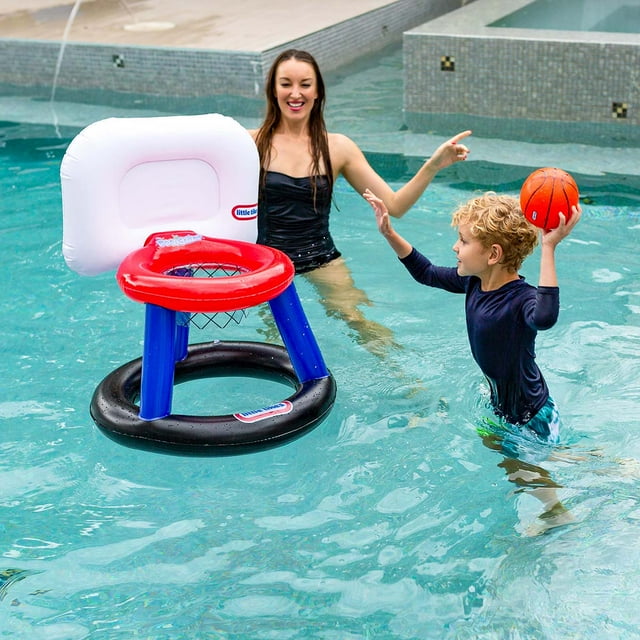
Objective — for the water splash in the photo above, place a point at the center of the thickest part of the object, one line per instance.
(56, 74)
(63, 46)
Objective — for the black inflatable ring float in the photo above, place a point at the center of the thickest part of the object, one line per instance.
(114, 410)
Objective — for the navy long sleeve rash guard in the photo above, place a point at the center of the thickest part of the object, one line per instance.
(502, 327)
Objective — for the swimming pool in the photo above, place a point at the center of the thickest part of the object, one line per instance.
(616, 16)
(390, 520)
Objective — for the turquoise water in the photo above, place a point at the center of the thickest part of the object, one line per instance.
(390, 520)
(617, 16)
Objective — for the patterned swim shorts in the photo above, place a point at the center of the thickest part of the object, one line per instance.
(530, 441)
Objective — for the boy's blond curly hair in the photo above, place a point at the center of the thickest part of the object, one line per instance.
(498, 219)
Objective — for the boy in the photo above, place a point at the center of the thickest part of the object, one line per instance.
(503, 312)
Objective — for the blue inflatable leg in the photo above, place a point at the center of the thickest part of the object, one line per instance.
(182, 320)
(158, 362)
(182, 335)
(297, 336)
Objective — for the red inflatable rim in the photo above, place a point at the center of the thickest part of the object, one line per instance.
(143, 275)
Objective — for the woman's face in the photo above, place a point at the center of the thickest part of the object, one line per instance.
(295, 88)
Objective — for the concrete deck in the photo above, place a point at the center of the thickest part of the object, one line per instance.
(190, 48)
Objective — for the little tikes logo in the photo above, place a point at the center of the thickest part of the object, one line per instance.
(279, 409)
(177, 240)
(245, 211)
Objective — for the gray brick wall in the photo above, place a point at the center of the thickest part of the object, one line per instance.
(456, 66)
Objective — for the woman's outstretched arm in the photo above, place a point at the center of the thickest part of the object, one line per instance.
(350, 161)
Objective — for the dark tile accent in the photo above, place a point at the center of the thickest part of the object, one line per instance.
(447, 63)
(619, 109)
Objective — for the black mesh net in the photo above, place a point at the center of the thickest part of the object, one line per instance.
(220, 319)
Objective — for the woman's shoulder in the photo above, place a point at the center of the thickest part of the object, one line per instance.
(340, 140)
(343, 149)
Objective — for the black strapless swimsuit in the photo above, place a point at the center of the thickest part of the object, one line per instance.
(290, 220)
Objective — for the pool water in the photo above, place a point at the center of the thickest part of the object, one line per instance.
(617, 16)
(389, 520)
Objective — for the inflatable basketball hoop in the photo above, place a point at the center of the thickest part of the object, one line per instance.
(130, 188)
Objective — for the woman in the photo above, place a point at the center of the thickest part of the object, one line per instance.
(300, 162)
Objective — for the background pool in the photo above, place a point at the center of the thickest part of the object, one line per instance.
(391, 519)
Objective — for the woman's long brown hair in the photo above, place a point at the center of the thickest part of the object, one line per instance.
(317, 127)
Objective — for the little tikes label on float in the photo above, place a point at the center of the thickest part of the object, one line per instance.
(279, 409)
(245, 211)
(178, 240)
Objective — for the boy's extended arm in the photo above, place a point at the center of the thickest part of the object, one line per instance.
(420, 267)
(550, 240)
(395, 240)
(548, 274)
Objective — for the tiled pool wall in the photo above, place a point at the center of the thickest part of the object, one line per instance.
(509, 79)
(174, 72)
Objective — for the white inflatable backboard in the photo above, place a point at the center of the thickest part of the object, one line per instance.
(126, 178)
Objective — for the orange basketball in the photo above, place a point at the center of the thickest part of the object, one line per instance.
(546, 193)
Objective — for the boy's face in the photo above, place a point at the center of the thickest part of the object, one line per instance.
(473, 256)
